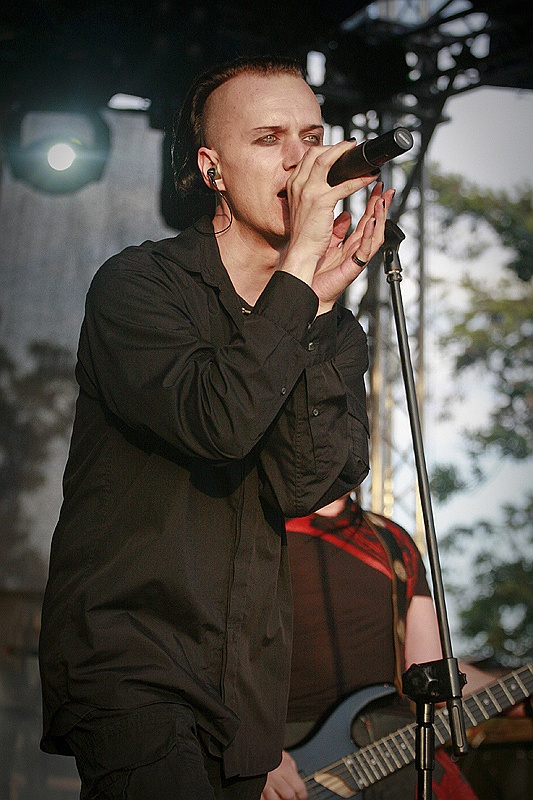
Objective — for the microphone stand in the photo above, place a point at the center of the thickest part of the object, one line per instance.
(434, 681)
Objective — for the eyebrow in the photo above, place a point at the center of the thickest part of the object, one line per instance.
(267, 128)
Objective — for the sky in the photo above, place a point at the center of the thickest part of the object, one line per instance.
(488, 138)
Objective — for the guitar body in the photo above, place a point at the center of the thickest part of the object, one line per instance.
(333, 741)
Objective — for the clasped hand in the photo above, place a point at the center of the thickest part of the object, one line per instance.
(319, 250)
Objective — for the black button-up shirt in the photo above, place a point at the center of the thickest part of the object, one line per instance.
(198, 428)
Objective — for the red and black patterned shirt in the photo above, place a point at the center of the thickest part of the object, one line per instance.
(343, 613)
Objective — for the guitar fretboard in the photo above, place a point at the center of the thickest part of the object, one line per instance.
(366, 766)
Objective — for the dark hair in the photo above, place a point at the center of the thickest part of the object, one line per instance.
(194, 198)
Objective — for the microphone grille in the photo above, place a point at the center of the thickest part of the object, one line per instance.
(403, 138)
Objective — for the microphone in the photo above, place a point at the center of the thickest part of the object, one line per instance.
(367, 158)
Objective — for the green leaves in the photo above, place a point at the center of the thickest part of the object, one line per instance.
(493, 338)
(509, 215)
(490, 342)
(497, 605)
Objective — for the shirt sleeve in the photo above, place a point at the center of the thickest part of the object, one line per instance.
(317, 449)
(417, 582)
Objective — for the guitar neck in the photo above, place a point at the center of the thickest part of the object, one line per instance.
(384, 757)
(493, 699)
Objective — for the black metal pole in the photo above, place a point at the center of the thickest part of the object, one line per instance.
(444, 683)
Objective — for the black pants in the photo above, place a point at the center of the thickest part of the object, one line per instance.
(153, 753)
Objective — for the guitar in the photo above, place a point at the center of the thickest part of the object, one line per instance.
(352, 771)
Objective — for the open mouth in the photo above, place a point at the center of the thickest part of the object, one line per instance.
(283, 195)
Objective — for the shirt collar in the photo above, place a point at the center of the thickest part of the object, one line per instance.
(196, 250)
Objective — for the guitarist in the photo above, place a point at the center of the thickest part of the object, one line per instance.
(363, 613)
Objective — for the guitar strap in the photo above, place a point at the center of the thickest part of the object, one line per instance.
(399, 590)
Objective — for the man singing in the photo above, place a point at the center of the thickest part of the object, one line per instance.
(221, 390)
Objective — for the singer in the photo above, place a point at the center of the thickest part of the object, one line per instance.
(220, 391)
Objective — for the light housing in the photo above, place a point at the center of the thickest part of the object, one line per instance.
(28, 147)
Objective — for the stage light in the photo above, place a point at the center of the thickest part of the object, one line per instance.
(128, 102)
(54, 152)
(61, 156)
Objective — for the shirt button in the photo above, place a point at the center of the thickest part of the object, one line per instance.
(283, 390)
(315, 412)
(311, 346)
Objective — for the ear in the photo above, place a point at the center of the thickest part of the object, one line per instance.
(208, 161)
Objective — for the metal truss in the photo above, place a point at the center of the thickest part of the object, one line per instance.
(450, 48)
